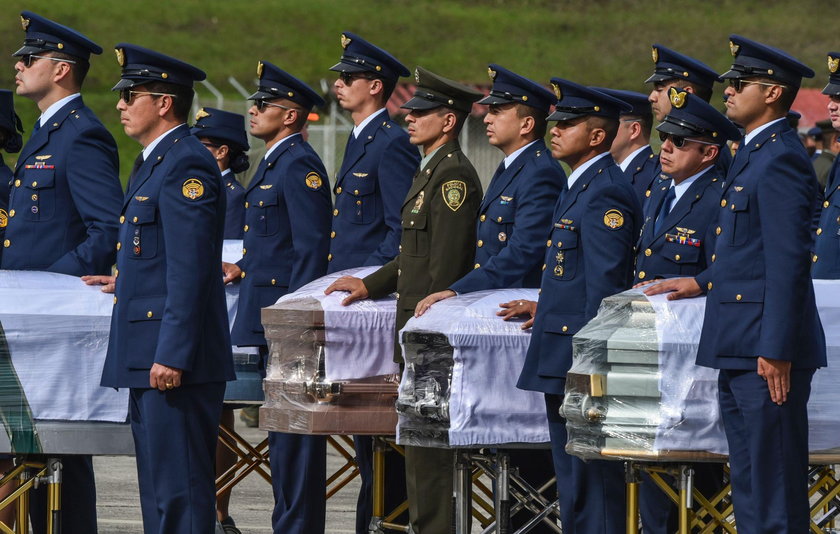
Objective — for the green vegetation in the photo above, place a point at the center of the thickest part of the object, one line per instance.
(599, 42)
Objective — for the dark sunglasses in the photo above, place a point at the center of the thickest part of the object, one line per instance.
(128, 95)
(262, 104)
(347, 78)
(28, 59)
(679, 141)
(738, 84)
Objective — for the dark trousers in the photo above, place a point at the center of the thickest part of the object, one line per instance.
(298, 476)
(592, 493)
(78, 498)
(175, 435)
(394, 481)
(768, 452)
(429, 475)
(659, 513)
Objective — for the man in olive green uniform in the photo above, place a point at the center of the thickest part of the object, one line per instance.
(436, 249)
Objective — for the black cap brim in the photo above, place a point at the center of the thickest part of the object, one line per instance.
(262, 95)
(564, 116)
(676, 129)
(420, 104)
(657, 77)
(348, 67)
(832, 89)
(25, 50)
(734, 75)
(127, 83)
(491, 100)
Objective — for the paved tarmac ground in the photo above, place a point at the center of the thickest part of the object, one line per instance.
(118, 503)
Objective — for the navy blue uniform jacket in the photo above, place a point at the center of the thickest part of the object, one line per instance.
(169, 305)
(235, 211)
(5, 183)
(65, 197)
(287, 223)
(589, 256)
(760, 296)
(370, 188)
(514, 221)
(684, 244)
(643, 171)
(826, 256)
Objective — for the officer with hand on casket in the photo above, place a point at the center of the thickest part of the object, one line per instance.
(438, 232)
(761, 327)
(589, 256)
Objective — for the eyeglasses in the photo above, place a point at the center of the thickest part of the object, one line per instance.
(29, 58)
(679, 141)
(738, 84)
(127, 95)
(347, 78)
(211, 145)
(261, 105)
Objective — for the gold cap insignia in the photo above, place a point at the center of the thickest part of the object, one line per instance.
(4, 218)
(260, 67)
(734, 48)
(614, 219)
(454, 194)
(557, 92)
(201, 114)
(120, 56)
(677, 97)
(417, 75)
(491, 73)
(24, 22)
(833, 63)
(654, 53)
(345, 41)
(193, 189)
(313, 181)
(418, 204)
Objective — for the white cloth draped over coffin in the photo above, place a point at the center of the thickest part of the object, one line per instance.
(57, 330)
(485, 407)
(360, 337)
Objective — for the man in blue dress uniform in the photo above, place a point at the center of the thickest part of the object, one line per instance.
(677, 240)
(826, 256)
(169, 341)
(631, 148)
(223, 133)
(761, 327)
(375, 175)
(11, 141)
(287, 226)
(64, 202)
(672, 69)
(589, 256)
(515, 214)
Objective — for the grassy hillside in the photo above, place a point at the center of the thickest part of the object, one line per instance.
(595, 42)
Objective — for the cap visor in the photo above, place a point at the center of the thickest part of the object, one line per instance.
(420, 103)
(262, 95)
(490, 100)
(26, 50)
(348, 67)
(675, 129)
(126, 83)
(564, 116)
(832, 89)
(732, 75)
(657, 77)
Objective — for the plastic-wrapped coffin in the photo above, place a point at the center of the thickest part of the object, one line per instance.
(330, 368)
(634, 391)
(459, 384)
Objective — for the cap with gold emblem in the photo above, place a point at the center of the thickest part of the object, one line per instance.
(510, 87)
(141, 65)
(275, 83)
(10, 122)
(691, 116)
(44, 35)
(753, 60)
(638, 102)
(362, 56)
(671, 65)
(222, 125)
(575, 100)
(434, 91)
(833, 87)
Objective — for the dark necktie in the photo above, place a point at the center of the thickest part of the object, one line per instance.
(136, 167)
(36, 127)
(664, 210)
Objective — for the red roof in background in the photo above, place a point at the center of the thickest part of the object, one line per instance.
(404, 91)
(811, 104)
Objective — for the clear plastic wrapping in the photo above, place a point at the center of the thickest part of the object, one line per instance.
(326, 362)
(459, 384)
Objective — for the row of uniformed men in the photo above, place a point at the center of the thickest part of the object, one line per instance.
(167, 341)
